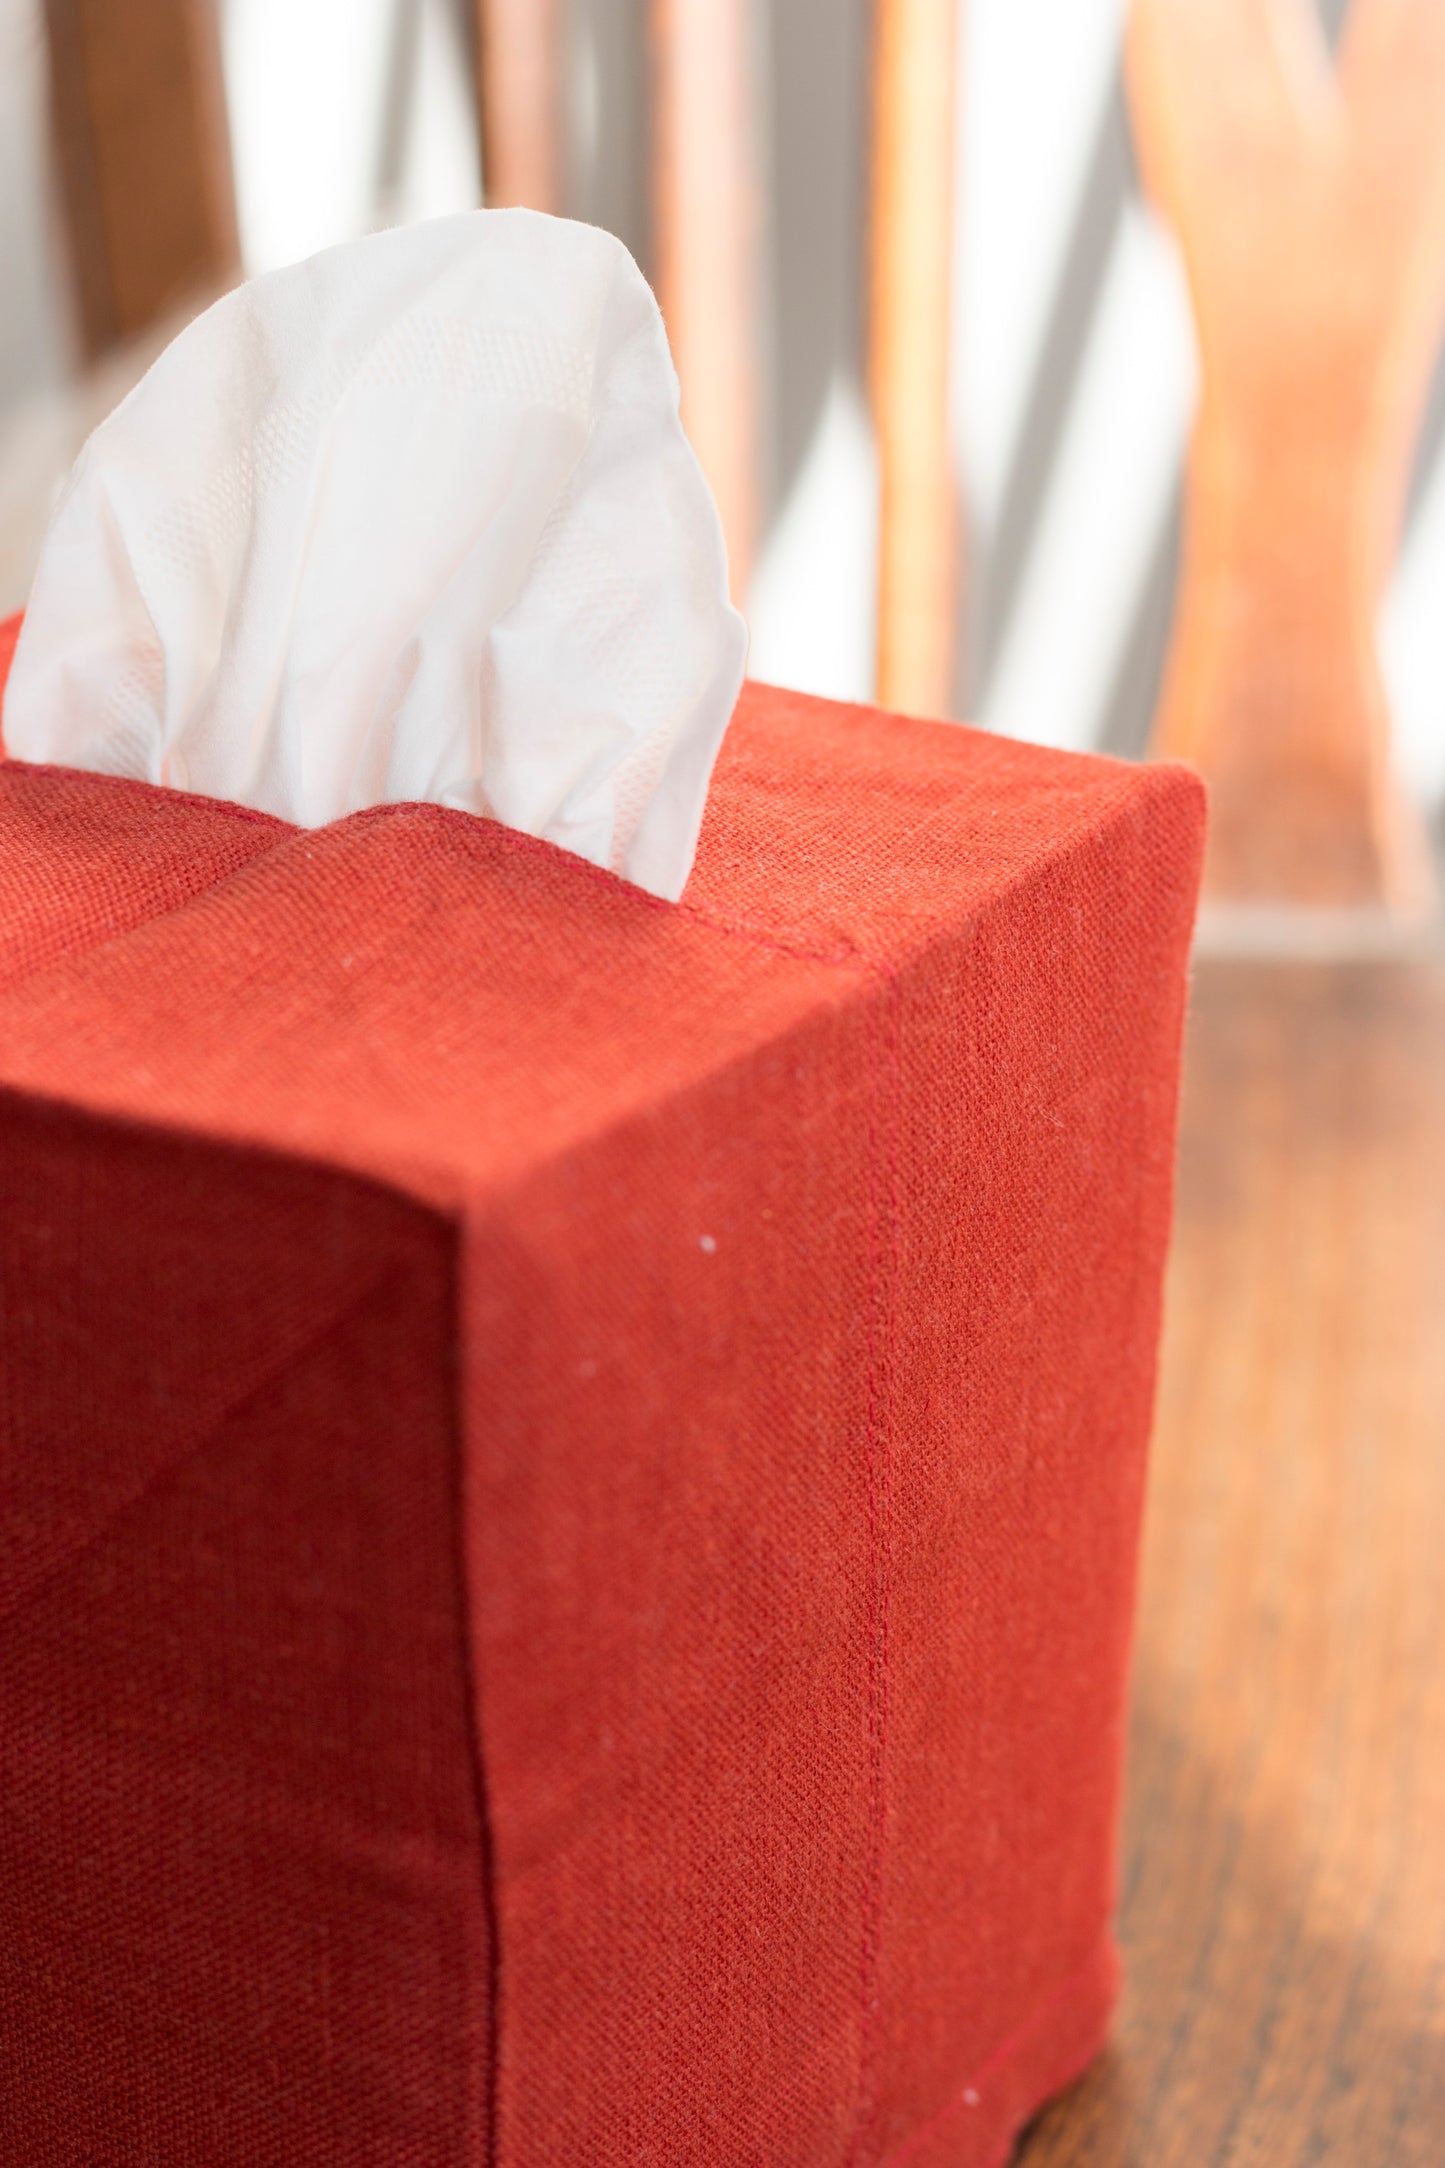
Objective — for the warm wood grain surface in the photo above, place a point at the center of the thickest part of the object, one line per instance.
(519, 49)
(910, 261)
(1308, 195)
(144, 157)
(1283, 1911)
(707, 234)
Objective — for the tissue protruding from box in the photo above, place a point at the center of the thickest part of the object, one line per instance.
(413, 520)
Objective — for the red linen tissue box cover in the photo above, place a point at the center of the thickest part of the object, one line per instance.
(572, 1464)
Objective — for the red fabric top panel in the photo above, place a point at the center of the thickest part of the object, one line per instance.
(428, 997)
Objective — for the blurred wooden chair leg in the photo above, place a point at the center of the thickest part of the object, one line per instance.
(910, 258)
(707, 219)
(1309, 200)
(520, 102)
(144, 154)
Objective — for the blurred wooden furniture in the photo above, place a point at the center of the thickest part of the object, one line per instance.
(519, 102)
(144, 154)
(705, 206)
(706, 213)
(910, 262)
(1309, 199)
(708, 270)
(1283, 1916)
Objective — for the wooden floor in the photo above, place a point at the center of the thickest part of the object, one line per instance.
(1283, 1902)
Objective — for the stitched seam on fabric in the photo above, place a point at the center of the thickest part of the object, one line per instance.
(884, 1102)
(1064, 1992)
(59, 950)
(1093, 821)
(57, 954)
(158, 1477)
(879, 1407)
(513, 840)
(489, 2131)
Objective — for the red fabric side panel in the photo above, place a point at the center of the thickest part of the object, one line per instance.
(1036, 1072)
(243, 1915)
(808, 1419)
(672, 1356)
(119, 1338)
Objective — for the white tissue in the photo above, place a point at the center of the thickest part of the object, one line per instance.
(415, 519)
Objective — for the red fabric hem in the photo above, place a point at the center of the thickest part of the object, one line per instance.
(981, 2125)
